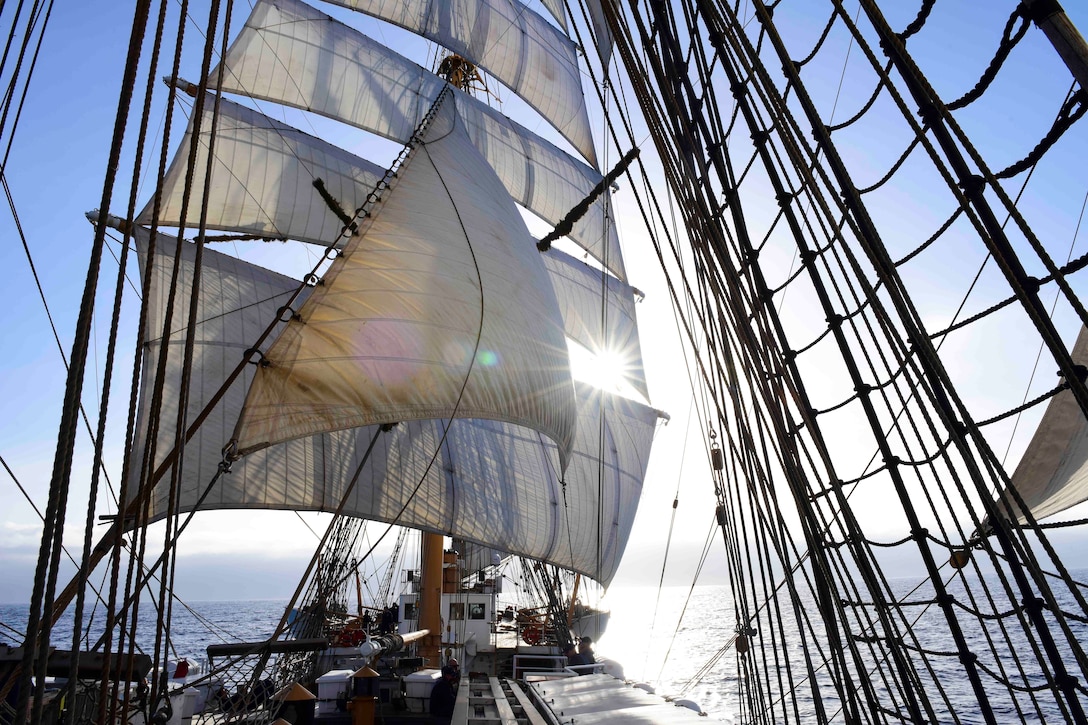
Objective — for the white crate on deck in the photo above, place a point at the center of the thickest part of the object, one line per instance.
(418, 686)
(330, 686)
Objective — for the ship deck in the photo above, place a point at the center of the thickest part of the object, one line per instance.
(544, 699)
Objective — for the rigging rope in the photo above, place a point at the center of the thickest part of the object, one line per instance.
(683, 125)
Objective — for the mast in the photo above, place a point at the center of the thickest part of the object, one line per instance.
(358, 592)
(430, 598)
(461, 74)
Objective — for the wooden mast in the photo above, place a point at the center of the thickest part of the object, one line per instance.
(1050, 17)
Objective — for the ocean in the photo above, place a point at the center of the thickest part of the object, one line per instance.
(686, 659)
(647, 636)
(679, 656)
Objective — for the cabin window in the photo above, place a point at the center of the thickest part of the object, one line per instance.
(409, 610)
(457, 610)
(477, 611)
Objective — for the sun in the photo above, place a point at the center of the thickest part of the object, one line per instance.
(605, 369)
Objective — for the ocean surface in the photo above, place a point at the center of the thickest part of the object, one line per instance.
(686, 659)
(672, 638)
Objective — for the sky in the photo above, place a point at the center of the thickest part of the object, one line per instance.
(55, 173)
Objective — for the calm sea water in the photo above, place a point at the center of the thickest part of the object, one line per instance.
(646, 634)
(686, 659)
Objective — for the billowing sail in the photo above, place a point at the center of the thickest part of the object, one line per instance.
(290, 53)
(473, 557)
(439, 307)
(423, 474)
(603, 322)
(237, 302)
(262, 178)
(601, 31)
(285, 162)
(512, 43)
(555, 7)
(1052, 475)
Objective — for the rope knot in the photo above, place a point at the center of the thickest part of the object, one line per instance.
(973, 185)
(1065, 681)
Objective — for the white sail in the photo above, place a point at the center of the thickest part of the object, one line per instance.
(413, 477)
(290, 53)
(601, 31)
(250, 136)
(1052, 475)
(285, 162)
(602, 321)
(555, 7)
(439, 307)
(474, 557)
(236, 304)
(512, 43)
(262, 179)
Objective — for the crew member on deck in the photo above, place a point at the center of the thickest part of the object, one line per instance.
(444, 696)
(585, 652)
(454, 665)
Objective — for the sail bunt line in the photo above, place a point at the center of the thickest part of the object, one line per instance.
(277, 57)
(481, 462)
(511, 42)
(1052, 475)
(262, 178)
(438, 307)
